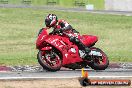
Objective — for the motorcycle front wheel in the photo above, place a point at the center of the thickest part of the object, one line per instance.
(49, 60)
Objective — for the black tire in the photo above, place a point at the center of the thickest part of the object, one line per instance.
(45, 65)
(96, 66)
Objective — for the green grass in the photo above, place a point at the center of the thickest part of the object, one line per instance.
(98, 4)
(19, 28)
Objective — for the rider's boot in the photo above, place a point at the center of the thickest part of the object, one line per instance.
(80, 45)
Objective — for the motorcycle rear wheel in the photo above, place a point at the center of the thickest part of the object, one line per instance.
(99, 63)
(48, 63)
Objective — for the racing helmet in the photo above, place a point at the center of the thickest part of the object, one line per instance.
(51, 20)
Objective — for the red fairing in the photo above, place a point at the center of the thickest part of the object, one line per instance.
(69, 57)
(41, 38)
(64, 45)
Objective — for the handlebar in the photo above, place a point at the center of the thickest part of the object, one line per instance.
(55, 32)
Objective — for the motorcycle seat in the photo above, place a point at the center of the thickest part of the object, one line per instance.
(89, 40)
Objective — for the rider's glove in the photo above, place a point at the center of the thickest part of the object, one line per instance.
(59, 30)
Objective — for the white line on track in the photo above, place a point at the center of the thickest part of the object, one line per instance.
(30, 78)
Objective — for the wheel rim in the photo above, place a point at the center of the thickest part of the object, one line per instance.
(51, 62)
(100, 60)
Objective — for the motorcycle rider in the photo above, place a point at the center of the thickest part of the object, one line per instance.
(51, 20)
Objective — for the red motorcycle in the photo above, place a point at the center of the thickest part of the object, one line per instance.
(56, 51)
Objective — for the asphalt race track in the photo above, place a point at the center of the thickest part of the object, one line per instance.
(121, 70)
(108, 73)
